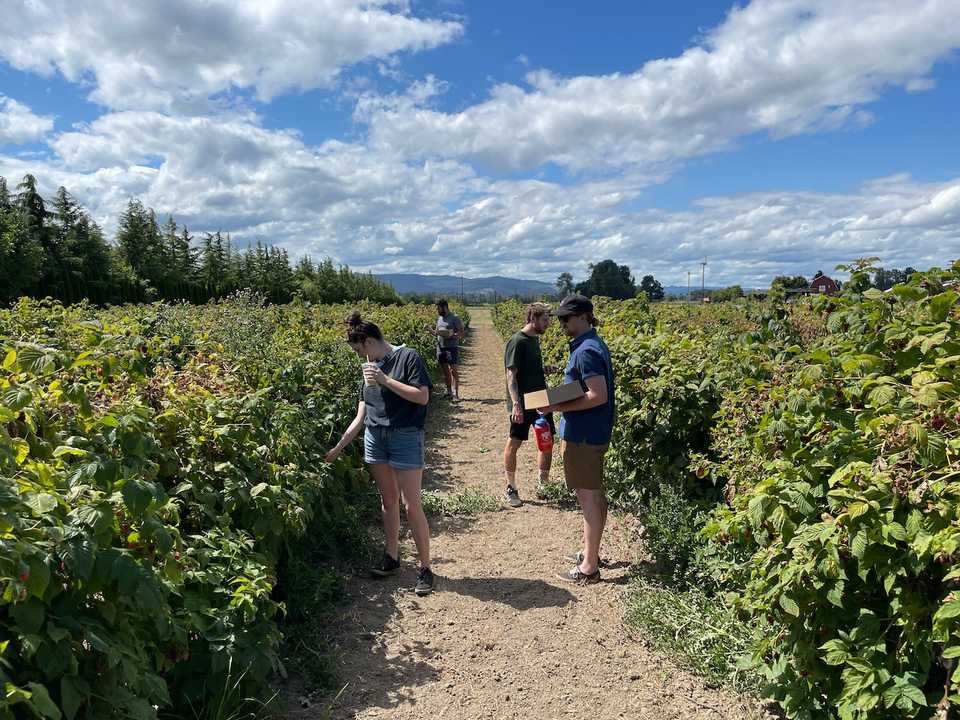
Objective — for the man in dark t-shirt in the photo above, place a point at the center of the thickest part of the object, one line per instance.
(449, 332)
(525, 373)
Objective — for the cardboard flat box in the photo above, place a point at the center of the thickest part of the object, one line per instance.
(552, 396)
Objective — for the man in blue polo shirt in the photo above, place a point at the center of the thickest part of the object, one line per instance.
(585, 428)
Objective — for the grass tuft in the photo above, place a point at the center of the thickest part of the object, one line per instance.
(469, 501)
(700, 633)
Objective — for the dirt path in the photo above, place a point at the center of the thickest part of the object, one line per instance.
(502, 637)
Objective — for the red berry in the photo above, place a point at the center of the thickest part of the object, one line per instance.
(938, 422)
(24, 575)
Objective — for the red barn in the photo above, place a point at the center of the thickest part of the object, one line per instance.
(822, 285)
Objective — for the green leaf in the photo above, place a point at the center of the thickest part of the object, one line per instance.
(951, 652)
(896, 531)
(756, 510)
(42, 703)
(789, 605)
(17, 397)
(857, 509)
(9, 359)
(72, 695)
(67, 450)
(859, 544)
(883, 395)
(137, 495)
(29, 614)
(913, 693)
(835, 594)
(39, 577)
(837, 652)
(948, 610)
(41, 503)
(940, 305)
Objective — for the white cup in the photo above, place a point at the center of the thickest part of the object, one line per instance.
(368, 366)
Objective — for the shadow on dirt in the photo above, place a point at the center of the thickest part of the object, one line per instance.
(518, 593)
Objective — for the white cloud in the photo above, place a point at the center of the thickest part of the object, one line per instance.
(375, 210)
(19, 125)
(175, 54)
(780, 67)
(406, 199)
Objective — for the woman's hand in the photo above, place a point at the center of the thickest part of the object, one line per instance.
(373, 373)
(333, 454)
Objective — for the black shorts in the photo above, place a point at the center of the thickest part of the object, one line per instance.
(448, 356)
(521, 431)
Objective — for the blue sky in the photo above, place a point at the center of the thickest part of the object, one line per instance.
(523, 139)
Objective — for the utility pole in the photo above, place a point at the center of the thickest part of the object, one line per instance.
(703, 270)
(688, 286)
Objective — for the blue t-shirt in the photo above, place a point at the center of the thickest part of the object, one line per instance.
(589, 356)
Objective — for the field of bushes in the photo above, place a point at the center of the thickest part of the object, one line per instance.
(797, 470)
(162, 477)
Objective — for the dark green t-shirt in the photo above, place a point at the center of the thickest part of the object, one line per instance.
(523, 353)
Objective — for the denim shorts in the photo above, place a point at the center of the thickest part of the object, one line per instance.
(401, 448)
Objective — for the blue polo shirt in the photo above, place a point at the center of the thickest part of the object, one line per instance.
(589, 356)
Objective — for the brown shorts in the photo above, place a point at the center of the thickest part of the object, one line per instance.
(583, 465)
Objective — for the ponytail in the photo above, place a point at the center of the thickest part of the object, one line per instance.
(359, 330)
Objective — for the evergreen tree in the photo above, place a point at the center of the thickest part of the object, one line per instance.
(21, 256)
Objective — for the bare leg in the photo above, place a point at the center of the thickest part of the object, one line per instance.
(447, 377)
(510, 460)
(544, 462)
(410, 482)
(390, 506)
(455, 379)
(594, 505)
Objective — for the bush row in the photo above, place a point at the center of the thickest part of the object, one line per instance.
(156, 462)
(815, 452)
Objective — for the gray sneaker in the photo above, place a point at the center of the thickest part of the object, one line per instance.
(424, 584)
(513, 497)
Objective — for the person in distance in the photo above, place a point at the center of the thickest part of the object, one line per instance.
(392, 412)
(586, 426)
(523, 362)
(449, 332)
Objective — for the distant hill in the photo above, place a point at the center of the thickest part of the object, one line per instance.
(681, 290)
(405, 283)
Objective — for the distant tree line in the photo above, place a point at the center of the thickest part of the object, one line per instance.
(883, 279)
(608, 279)
(57, 250)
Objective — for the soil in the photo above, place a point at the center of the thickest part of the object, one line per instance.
(502, 636)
